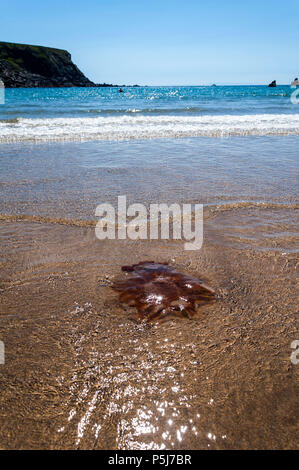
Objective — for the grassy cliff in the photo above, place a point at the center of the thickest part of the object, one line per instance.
(23, 65)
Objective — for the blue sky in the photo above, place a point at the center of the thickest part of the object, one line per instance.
(164, 42)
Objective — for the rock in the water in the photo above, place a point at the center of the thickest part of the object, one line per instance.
(272, 84)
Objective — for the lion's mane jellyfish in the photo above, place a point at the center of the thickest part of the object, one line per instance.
(156, 290)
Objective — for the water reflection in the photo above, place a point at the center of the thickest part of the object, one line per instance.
(142, 390)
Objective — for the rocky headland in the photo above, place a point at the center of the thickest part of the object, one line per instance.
(28, 66)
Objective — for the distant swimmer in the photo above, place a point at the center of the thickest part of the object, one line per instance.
(121, 90)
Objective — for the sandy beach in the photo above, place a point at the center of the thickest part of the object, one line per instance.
(149, 218)
(82, 372)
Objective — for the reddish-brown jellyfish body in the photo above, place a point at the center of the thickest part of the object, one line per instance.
(156, 290)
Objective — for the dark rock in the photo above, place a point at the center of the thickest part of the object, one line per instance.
(272, 84)
(24, 65)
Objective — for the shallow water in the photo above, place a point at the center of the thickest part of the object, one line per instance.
(80, 370)
(68, 180)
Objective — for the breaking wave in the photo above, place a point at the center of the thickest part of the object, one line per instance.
(114, 128)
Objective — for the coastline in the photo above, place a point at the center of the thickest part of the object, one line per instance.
(80, 371)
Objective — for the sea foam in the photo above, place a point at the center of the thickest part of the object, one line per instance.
(146, 127)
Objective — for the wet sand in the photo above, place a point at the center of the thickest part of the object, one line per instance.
(82, 372)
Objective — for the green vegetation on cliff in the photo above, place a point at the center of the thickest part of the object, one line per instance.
(23, 65)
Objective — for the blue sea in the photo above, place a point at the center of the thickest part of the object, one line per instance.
(81, 114)
(233, 148)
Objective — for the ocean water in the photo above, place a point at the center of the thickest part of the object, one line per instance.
(64, 151)
(81, 114)
(89, 375)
